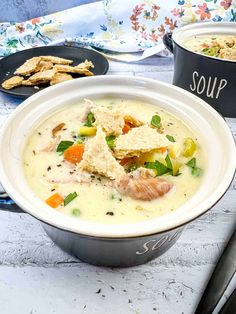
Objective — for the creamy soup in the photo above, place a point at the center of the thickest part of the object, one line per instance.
(220, 46)
(113, 161)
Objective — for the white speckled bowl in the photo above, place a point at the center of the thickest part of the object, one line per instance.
(121, 244)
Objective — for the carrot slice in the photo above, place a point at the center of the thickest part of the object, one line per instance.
(126, 128)
(125, 160)
(55, 200)
(74, 153)
(162, 149)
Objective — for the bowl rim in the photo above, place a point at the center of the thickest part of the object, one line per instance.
(12, 191)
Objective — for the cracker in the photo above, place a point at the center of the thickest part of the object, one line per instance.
(12, 82)
(28, 67)
(60, 77)
(56, 60)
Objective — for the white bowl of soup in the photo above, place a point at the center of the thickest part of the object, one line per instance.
(205, 62)
(115, 167)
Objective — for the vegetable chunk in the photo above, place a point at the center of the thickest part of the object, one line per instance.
(55, 200)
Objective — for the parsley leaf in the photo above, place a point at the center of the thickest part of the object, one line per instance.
(156, 121)
(63, 145)
(158, 166)
(90, 119)
(69, 198)
(111, 141)
(170, 138)
(196, 171)
(191, 163)
(168, 162)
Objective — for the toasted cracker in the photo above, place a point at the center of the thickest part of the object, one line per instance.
(12, 82)
(110, 120)
(70, 69)
(28, 67)
(56, 60)
(97, 158)
(60, 77)
(139, 140)
(43, 77)
(85, 65)
(43, 66)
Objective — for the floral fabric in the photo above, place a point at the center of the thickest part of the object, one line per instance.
(115, 25)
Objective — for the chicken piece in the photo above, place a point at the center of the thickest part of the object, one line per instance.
(88, 106)
(49, 145)
(139, 140)
(141, 185)
(42, 77)
(110, 120)
(28, 67)
(97, 158)
(43, 66)
(85, 65)
(56, 60)
(60, 77)
(228, 54)
(70, 69)
(12, 82)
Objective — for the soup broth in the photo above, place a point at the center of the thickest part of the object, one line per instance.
(151, 165)
(220, 46)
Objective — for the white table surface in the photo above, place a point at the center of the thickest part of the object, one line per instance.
(37, 277)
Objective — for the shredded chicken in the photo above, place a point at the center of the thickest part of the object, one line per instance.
(141, 185)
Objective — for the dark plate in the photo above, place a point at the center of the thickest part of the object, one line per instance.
(9, 64)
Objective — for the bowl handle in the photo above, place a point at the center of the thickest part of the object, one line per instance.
(168, 42)
(6, 203)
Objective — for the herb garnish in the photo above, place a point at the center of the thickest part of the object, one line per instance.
(63, 145)
(132, 167)
(90, 119)
(69, 198)
(158, 166)
(196, 171)
(170, 138)
(156, 121)
(111, 141)
(81, 139)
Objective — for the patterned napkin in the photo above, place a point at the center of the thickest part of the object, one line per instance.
(114, 25)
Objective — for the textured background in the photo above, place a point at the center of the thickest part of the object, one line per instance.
(21, 10)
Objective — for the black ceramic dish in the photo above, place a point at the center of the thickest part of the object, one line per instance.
(211, 79)
(9, 64)
(117, 244)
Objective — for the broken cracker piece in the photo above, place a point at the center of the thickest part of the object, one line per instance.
(70, 69)
(12, 82)
(43, 77)
(85, 65)
(138, 141)
(97, 158)
(111, 120)
(56, 60)
(60, 77)
(43, 66)
(28, 67)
